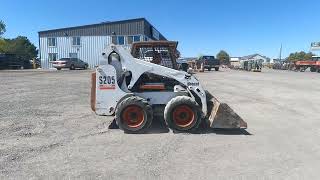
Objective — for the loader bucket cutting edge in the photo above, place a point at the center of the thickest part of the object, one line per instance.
(222, 116)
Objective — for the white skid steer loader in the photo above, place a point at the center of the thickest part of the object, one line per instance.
(134, 91)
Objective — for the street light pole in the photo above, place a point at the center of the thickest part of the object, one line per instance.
(280, 52)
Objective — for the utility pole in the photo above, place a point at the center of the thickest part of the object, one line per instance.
(280, 52)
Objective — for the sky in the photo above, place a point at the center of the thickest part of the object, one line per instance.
(240, 27)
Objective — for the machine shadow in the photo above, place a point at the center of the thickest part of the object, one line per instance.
(158, 127)
(205, 129)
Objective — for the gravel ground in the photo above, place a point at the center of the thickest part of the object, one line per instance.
(47, 130)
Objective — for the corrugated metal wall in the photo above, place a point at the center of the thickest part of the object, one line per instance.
(94, 39)
(89, 51)
(103, 29)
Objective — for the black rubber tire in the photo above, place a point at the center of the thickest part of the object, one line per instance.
(178, 101)
(147, 113)
(72, 67)
(216, 68)
(313, 69)
(85, 66)
(209, 69)
(59, 69)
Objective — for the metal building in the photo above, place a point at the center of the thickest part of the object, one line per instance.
(87, 42)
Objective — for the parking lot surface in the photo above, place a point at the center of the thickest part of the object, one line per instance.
(47, 130)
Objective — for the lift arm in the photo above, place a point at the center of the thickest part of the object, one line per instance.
(138, 67)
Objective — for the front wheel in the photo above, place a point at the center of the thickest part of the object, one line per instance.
(216, 68)
(134, 115)
(209, 69)
(85, 66)
(182, 114)
(59, 69)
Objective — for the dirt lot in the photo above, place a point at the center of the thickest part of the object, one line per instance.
(48, 130)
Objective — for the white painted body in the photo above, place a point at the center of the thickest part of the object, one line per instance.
(108, 98)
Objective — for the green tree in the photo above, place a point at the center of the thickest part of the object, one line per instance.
(224, 57)
(298, 56)
(2, 28)
(20, 46)
(3, 45)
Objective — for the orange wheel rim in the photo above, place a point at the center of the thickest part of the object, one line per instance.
(133, 116)
(183, 116)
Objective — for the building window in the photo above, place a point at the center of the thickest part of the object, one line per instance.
(76, 41)
(136, 38)
(114, 39)
(52, 56)
(73, 55)
(120, 40)
(130, 39)
(52, 42)
(146, 38)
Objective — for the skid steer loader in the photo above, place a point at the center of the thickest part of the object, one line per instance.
(134, 91)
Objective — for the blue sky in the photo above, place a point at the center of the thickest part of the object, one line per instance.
(240, 27)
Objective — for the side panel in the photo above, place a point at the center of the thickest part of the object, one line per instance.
(108, 93)
(159, 98)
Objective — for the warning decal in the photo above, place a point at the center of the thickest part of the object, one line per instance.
(106, 87)
(107, 82)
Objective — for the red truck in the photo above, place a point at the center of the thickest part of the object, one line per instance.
(313, 64)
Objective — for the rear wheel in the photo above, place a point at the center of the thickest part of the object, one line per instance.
(134, 115)
(216, 68)
(209, 69)
(58, 68)
(313, 69)
(182, 113)
(72, 67)
(85, 66)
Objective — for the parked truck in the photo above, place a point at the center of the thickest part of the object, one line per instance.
(11, 61)
(208, 62)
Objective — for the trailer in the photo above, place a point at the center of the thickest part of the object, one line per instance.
(313, 64)
(250, 65)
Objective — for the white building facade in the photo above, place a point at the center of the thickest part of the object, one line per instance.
(257, 57)
(87, 42)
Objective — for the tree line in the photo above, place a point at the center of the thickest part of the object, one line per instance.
(298, 56)
(20, 46)
(224, 57)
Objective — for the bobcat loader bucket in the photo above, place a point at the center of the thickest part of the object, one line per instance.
(221, 116)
